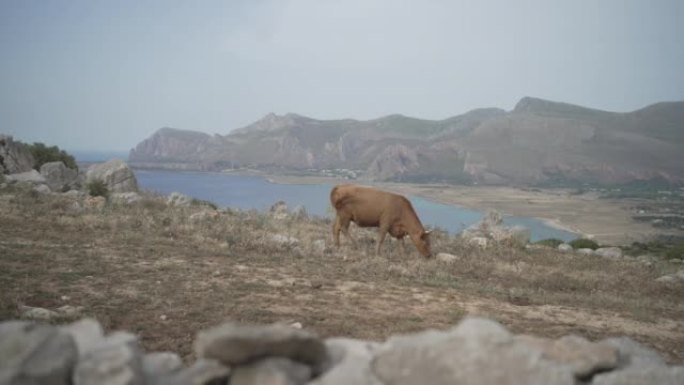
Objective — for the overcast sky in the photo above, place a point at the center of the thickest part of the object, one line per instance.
(104, 75)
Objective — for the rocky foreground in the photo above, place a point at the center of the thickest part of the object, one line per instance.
(476, 351)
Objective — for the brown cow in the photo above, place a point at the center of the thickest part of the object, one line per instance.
(368, 207)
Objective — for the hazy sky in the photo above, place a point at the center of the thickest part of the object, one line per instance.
(104, 75)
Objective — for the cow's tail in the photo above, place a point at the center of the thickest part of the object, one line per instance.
(335, 197)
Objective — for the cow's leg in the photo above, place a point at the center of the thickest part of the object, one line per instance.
(344, 226)
(403, 245)
(382, 232)
(336, 231)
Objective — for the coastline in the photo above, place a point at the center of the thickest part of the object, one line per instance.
(608, 221)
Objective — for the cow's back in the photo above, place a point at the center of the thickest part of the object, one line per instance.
(367, 206)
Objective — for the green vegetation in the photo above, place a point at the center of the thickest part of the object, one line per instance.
(549, 242)
(44, 154)
(583, 243)
(98, 188)
(202, 202)
(676, 251)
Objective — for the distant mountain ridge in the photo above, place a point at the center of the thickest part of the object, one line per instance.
(538, 142)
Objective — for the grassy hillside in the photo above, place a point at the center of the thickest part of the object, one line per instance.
(164, 272)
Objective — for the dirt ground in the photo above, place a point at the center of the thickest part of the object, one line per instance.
(166, 272)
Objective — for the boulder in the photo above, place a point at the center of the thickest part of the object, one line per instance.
(161, 363)
(584, 357)
(202, 372)
(15, 157)
(31, 177)
(115, 174)
(59, 177)
(446, 258)
(115, 360)
(125, 198)
(233, 344)
(42, 189)
(564, 248)
(632, 353)
(87, 333)
(35, 354)
(279, 210)
(351, 360)
(650, 375)
(178, 199)
(586, 251)
(609, 252)
(477, 351)
(283, 240)
(37, 313)
(272, 370)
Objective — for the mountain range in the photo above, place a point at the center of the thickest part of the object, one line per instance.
(538, 142)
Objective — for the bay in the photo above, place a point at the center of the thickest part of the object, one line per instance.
(255, 192)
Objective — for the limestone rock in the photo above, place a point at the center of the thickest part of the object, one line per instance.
(32, 177)
(15, 157)
(351, 360)
(650, 375)
(583, 356)
(160, 363)
(87, 333)
(585, 251)
(477, 351)
(632, 353)
(59, 177)
(233, 344)
(115, 360)
(564, 248)
(42, 189)
(178, 199)
(115, 174)
(37, 313)
(279, 210)
(609, 252)
(446, 258)
(202, 372)
(273, 370)
(126, 197)
(35, 354)
(283, 240)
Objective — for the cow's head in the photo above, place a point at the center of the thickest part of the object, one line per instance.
(422, 243)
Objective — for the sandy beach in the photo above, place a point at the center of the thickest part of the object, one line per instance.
(609, 221)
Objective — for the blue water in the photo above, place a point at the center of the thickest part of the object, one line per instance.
(253, 192)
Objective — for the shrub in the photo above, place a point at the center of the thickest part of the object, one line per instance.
(676, 251)
(98, 188)
(549, 242)
(202, 202)
(583, 243)
(44, 154)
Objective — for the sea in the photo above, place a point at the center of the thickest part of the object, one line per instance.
(256, 192)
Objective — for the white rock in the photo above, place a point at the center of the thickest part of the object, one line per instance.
(446, 258)
(609, 252)
(564, 248)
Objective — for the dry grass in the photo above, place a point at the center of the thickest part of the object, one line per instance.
(129, 265)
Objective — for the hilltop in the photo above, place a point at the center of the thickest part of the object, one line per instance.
(539, 142)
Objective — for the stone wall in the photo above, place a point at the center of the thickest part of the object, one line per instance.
(476, 351)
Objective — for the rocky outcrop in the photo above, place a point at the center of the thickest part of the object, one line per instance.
(59, 177)
(476, 351)
(15, 157)
(393, 162)
(490, 230)
(116, 174)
